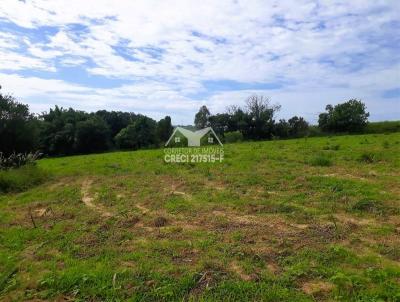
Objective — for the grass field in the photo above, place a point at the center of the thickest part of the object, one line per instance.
(299, 220)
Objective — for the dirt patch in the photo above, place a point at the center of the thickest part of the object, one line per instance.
(349, 176)
(234, 267)
(357, 221)
(272, 222)
(88, 200)
(143, 209)
(317, 287)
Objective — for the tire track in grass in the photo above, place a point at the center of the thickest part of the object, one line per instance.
(87, 199)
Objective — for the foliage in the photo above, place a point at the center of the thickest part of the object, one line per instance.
(92, 135)
(233, 137)
(116, 120)
(368, 157)
(220, 123)
(259, 117)
(298, 127)
(18, 127)
(16, 160)
(67, 131)
(282, 129)
(294, 127)
(58, 129)
(20, 179)
(321, 160)
(164, 129)
(141, 134)
(255, 121)
(350, 116)
(201, 119)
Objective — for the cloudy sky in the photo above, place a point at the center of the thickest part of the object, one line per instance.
(170, 57)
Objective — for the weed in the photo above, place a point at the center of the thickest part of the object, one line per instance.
(368, 157)
(366, 205)
(321, 160)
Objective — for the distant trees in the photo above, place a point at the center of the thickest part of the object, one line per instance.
(92, 135)
(255, 121)
(18, 127)
(350, 116)
(164, 129)
(141, 134)
(259, 117)
(116, 120)
(58, 129)
(201, 119)
(67, 131)
(298, 127)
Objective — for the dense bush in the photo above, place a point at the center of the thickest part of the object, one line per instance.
(17, 160)
(233, 137)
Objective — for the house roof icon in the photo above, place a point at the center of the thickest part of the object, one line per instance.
(193, 137)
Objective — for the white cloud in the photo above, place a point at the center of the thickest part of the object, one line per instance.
(327, 51)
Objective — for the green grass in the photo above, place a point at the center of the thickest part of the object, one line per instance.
(296, 220)
(20, 179)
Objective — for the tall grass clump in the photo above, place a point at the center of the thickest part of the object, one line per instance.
(368, 157)
(20, 179)
(321, 160)
(19, 172)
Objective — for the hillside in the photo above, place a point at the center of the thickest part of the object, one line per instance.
(294, 220)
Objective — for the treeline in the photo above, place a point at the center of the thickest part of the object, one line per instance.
(257, 120)
(68, 131)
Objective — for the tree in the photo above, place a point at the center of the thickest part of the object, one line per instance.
(219, 122)
(116, 120)
(18, 127)
(201, 119)
(164, 129)
(92, 135)
(281, 129)
(298, 127)
(350, 116)
(141, 134)
(260, 117)
(58, 130)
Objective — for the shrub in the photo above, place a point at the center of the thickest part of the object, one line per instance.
(366, 205)
(368, 157)
(332, 147)
(16, 160)
(321, 160)
(20, 179)
(234, 136)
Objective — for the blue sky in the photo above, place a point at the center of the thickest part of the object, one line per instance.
(170, 57)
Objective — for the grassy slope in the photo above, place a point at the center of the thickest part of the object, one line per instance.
(274, 220)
